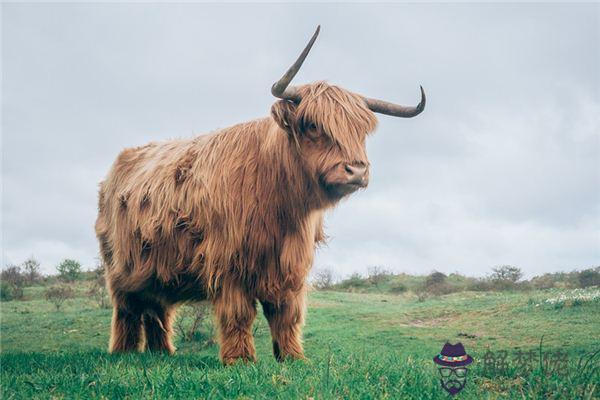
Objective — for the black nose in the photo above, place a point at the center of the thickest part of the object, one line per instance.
(357, 174)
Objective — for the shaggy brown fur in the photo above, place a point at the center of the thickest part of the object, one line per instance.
(233, 217)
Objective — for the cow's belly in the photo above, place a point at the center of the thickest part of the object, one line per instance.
(186, 288)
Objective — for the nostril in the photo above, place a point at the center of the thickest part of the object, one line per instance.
(356, 172)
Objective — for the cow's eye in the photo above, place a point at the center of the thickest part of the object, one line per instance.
(312, 131)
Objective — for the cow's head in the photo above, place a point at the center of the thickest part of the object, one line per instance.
(329, 125)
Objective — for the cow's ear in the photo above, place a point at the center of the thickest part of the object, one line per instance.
(284, 113)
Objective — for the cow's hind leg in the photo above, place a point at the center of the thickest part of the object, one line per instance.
(285, 321)
(126, 330)
(158, 325)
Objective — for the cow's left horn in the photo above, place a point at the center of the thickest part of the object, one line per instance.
(395, 110)
(280, 88)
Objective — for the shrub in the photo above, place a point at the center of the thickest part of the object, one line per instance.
(69, 270)
(98, 289)
(323, 279)
(193, 323)
(377, 275)
(57, 295)
(561, 280)
(398, 287)
(13, 280)
(523, 286)
(441, 289)
(422, 296)
(589, 277)
(436, 284)
(459, 282)
(355, 281)
(479, 285)
(6, 293)
(546, 281)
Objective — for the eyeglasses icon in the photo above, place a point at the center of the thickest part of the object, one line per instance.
(446, 372)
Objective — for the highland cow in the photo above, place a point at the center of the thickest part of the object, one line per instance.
(233, 217)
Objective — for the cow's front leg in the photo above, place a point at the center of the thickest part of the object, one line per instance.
(286, 320)
(235, 312)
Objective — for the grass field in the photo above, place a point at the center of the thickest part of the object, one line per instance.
(359, 346)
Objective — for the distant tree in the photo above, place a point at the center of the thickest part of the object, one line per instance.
(436, 283)
(377, 275)
(13, 282)
(12, 275)
(323, 278)
(506, 273)
(505, 277)
(58, 294)
(589, 277)
(435, 278)
(31, 270)
(69, 270)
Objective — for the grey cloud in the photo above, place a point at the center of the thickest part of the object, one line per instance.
(503, 167)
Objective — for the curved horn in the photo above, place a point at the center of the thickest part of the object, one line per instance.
(395, 110)
(280, 88)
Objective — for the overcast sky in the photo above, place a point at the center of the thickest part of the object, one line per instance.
(503, 167)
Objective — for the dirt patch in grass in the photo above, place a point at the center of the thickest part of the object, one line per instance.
(414, 322)
(430, 323)
(322, 304)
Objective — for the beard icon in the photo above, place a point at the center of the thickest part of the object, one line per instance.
(453, 386)
(453, 379)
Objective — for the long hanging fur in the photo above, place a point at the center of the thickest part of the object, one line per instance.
(232, 216)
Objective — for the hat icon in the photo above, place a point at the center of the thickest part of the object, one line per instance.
(453, 355)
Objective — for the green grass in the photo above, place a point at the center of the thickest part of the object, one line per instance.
(359, 346)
